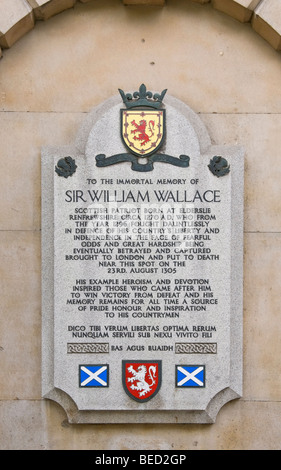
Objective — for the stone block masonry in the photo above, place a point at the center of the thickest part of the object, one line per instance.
(18, 17)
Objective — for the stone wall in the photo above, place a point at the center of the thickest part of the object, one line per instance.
(18, 17)
(49, 80)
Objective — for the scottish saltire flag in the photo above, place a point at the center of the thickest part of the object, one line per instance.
(190, 376)
(94, 375)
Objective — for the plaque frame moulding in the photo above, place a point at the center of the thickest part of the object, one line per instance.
(79, 150)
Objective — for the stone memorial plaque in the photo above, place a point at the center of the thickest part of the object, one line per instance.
(142, 249)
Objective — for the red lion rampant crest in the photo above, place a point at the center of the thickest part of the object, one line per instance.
(141, 129)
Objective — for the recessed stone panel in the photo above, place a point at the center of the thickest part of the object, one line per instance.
(142, 225)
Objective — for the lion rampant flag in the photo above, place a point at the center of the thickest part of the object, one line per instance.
(141, 379)
(142, 130)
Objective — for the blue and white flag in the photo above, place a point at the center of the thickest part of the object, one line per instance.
(190, 376)
(94, 375)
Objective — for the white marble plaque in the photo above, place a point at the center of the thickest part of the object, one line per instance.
(142, 250)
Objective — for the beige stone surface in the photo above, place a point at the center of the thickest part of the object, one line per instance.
(21, 137)
(259, 134)
(270, 12)
(32, 425)
(49, 81)
(12, 11)
(16, 19)
(249, 4)
(241, 10)
(20, 315)
(222, 80)
(44, 9)
(201, 1)
(267, 22)
(157, 3)
(262, 328)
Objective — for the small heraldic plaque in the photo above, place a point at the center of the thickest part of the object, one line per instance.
(142, 249)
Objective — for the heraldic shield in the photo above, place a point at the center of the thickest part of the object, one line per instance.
(142, 379)
(143, 130)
